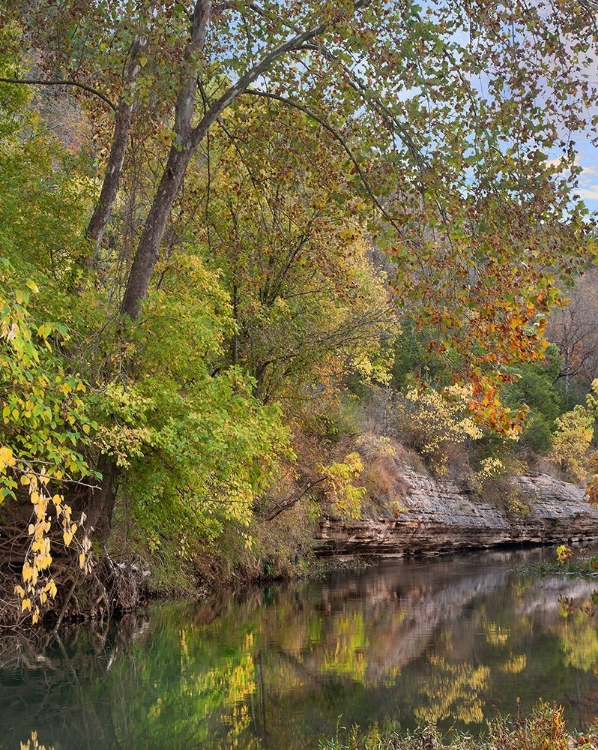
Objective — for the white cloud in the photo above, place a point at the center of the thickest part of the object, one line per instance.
(588, 193)
(589, 170)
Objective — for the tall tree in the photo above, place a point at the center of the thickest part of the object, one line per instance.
(454, 124)
(278, 214)
(447, 94)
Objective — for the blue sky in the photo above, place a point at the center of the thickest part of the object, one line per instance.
(588, 180)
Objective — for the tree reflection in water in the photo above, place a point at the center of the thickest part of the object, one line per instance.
(446, 640)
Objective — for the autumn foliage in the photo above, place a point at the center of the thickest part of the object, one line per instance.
(214, 219)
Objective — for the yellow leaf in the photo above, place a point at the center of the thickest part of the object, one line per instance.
(6, 456)
(81, 560)
(67, 536)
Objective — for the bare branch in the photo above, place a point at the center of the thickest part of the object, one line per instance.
(335, 134)
(57, 82)
(294, 498)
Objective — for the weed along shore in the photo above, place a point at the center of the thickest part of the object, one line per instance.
(544, 728)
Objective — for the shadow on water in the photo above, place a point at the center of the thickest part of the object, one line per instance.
(451, 640)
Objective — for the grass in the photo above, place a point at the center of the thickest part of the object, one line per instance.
(544, 729)
(573, 566)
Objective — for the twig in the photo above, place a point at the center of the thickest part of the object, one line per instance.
(57, 82)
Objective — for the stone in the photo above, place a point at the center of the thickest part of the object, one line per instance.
(439, 516)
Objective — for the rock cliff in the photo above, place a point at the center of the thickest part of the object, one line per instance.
(438, 516)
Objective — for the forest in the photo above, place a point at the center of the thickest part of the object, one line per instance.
(250, 250)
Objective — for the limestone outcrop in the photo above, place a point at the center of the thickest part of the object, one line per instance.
(438, 516)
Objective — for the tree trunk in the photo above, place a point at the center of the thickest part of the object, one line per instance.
(103, 209)
(101, 498)
(236, 331)
(122, 128)
(148, 251)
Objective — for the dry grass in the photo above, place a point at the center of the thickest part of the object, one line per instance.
(544, 729)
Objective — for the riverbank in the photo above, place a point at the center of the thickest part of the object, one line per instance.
(435, 516)
(544, 729)
(407, 513)
(443, 515)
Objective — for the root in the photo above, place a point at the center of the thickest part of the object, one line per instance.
(113, 588)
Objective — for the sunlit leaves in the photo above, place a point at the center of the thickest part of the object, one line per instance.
(41, 434)
(563, 553)
(341, 485)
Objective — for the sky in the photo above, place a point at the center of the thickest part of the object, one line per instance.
(588, 180)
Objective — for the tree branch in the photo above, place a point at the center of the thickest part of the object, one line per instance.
(260, 67)
(335, 134)
(186, 142)
(356, 84)
(373, 100)
(41, 82)
(293, 499)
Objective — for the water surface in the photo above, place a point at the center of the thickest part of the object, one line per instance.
(451, 640)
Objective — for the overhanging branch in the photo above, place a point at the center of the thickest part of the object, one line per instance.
(335, 134)
(58, 82)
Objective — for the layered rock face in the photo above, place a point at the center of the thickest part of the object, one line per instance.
(440, 517)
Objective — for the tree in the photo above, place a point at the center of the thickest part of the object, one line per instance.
(440, 118)
(573, 330)
(281, 221)
(188, 444)
(433, 125)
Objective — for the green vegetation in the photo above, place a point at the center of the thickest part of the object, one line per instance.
(567, 562)
(544, 729)
(249, 251)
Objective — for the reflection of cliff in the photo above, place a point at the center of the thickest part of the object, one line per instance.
(439, 642)
(402, 614)
(391, 615)
(442, 639)
(440, 516)
(445, 639)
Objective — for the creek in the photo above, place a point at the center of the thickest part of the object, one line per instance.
(450, 639)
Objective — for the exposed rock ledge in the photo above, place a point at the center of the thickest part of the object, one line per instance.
(441, 517)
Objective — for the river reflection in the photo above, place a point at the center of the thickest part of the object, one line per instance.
(448, 640)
